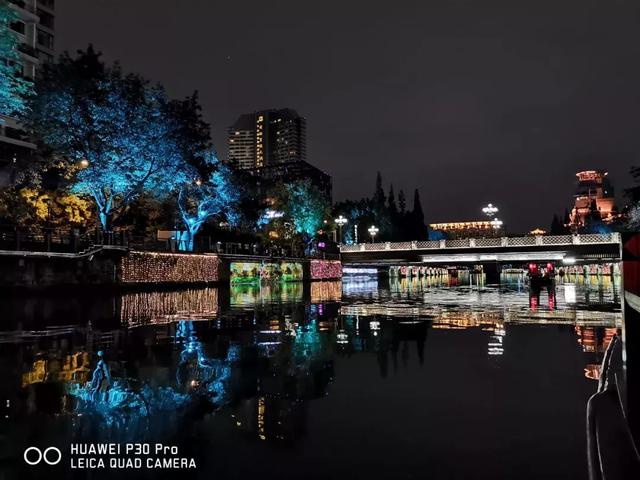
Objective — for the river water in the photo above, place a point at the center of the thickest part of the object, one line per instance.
(440, 378)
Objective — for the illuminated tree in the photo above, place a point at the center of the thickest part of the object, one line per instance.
(13, 87)
(58, 208)
(33, 207)
(199, 200)
(117, 127)
(307, 208)
(126, 140)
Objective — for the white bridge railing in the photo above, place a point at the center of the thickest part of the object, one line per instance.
(533, 241)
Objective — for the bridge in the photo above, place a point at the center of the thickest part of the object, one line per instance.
(489, 252)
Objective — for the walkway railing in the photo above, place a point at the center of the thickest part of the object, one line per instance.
(67, 240)
(547, 240)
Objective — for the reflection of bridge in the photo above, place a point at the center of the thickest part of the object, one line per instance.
(587, 248)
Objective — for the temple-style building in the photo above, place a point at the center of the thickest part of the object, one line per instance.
(594, 196)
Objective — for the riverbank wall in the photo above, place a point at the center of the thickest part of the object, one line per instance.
(120, 267)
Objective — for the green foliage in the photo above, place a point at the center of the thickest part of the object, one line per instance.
(306, 206)
(394, 223)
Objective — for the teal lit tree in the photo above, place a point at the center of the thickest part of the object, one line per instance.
(199, 200)
(307, 208)
(114, 130)
(13, 87)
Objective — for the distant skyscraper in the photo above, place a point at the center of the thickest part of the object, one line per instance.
(34, 29)
(268, 138)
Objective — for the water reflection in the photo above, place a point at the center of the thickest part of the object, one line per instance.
(255, 358)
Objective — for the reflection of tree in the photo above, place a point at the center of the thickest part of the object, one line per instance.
(388, 339)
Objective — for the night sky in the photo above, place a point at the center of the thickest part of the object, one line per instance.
(470, 101)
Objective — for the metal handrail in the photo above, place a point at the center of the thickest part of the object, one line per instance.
(579, 239)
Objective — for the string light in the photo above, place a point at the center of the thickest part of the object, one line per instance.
(164, 307)
(152, 267)
(326, 292)
(326, 269)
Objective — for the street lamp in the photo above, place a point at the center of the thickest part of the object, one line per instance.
(341, 221)
(496, 224)
(490, 210)
(373, 230)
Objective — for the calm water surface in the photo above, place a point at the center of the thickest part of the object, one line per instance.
(366, 378)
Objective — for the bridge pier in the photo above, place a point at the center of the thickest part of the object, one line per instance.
(492, 272)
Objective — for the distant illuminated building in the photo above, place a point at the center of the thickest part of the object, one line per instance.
(594, 191)
(267, 137)
(537, 231)
(479, 228)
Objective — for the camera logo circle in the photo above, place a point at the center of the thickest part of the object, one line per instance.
(51, 456)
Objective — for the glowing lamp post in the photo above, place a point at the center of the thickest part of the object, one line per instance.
(373, 230)
(496, 224)
(490, 210)
(341, 222)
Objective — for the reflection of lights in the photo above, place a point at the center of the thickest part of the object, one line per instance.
(261, 429)
(568, 260)
(326, 291)
(342, 338)
(164, 307)
(495, 344)
(374, 325)
(592, 372)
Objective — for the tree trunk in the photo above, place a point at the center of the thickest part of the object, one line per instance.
(185, 243)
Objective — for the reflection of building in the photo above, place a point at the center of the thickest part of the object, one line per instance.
(594, 194)
(594, 341)
(267, 138)
(71, 368)
(479, 228)
(34, 30)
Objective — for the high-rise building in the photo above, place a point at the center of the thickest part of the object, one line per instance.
(594, 193)
(267, 138)
(34, 29)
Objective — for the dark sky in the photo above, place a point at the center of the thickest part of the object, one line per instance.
(470, 101)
